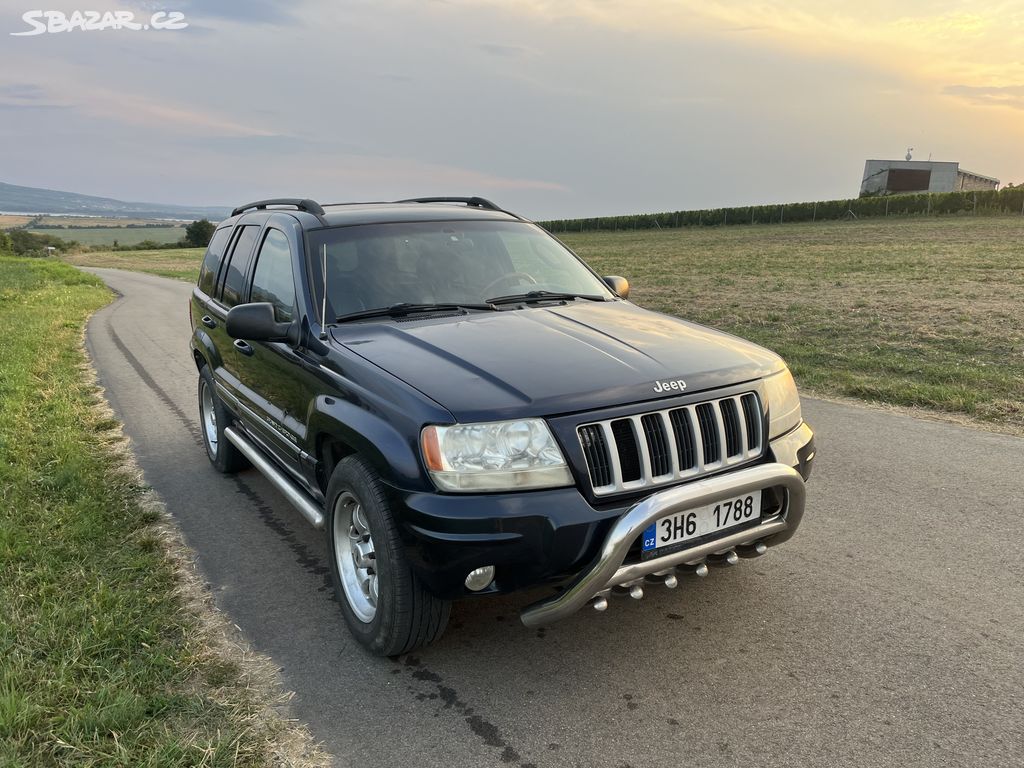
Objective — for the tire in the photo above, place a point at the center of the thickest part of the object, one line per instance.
(385, 607)
(213, 419)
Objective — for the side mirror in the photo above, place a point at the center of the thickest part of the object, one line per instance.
(618, 284)
(255, 322)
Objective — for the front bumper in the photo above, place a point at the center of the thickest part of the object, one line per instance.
(608, 571)
(556, 536)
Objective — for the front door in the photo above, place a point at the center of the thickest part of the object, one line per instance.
(272, 385)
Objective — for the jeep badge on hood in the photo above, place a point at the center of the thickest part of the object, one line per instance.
(664, 386)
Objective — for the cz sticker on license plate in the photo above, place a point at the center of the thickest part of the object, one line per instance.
(701, 521)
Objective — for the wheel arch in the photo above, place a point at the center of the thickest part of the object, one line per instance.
(204, 352)
(329, 451)
(341, 429)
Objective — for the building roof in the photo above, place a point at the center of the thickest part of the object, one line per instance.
(977, 175)
(924, 165)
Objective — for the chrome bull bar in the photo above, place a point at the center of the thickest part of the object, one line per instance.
(608, 571)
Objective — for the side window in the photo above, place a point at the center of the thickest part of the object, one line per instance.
(272, 280)
(234, 280)
(212, 259)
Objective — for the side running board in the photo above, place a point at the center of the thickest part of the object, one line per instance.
(301, 500)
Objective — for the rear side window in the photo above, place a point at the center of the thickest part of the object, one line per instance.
(234, 280)
(212, 259)
(272, 280)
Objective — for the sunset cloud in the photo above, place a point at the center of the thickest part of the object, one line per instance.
(1011, 96)
(553, 107)
(961, 40)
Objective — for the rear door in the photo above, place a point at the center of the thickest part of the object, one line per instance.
(202, 295)
(228, 290)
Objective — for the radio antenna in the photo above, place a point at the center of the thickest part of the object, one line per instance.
(323, 305)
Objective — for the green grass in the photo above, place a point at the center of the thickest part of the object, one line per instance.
(112, 235)
(913, 312)
(101, 662)
(178, 263)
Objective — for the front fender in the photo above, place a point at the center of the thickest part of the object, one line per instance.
(392, 453)
(380, 419)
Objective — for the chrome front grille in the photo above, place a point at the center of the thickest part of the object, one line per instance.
(664, 446)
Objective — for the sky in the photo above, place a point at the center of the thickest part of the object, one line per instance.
(551, 108)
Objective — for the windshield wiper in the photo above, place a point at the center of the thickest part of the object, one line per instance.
(542, 296)
(406, 308)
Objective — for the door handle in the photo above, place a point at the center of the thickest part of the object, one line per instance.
(209, 322)
(243, 347)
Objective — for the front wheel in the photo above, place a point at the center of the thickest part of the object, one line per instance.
(385, 607)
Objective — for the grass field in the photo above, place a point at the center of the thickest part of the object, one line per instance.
(102, 662)
(179, 263)
(922, 312)
(115, 235)
(913, 312)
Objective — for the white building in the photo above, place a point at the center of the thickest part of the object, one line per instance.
(893, 177)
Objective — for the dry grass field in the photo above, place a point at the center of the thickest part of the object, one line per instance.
(923, 312)
(96, 221)
(179, 263)
(7, 221)
(10, 221)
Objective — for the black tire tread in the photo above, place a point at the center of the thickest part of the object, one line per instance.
(416, 618)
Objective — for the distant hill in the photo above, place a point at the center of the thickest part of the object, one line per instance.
(15, 199)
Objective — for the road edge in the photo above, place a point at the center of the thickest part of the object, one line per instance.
(949, 418)
(267, 705)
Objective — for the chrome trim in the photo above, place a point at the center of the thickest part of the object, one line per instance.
(225, 394)
(700, 467)
(238, 406)
(607, 570)
(277, 477)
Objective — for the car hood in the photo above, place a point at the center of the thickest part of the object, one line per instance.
(544, 361)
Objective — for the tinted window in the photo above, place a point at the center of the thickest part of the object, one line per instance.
(464, 262)
(234, 280)
(212, 259)
(272, 280)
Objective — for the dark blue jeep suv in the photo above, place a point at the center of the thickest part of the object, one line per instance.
(466, 408)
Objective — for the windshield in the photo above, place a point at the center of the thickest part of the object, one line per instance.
(443, 262)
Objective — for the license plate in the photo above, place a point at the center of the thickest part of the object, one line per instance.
(702, 521)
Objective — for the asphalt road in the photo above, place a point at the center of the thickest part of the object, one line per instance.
(889, 632)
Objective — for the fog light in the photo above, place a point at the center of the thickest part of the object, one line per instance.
(480, 578)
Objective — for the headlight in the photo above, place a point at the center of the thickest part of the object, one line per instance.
(497, 456)
(783, 403)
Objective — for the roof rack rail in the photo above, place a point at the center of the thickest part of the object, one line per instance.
(303, 204)
(357, 202)
(472, 202)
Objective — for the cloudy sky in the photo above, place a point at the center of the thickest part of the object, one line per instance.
(549, 107)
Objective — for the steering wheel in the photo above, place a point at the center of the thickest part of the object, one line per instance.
(519, 277)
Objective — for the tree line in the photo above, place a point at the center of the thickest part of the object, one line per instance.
(1008, 200)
